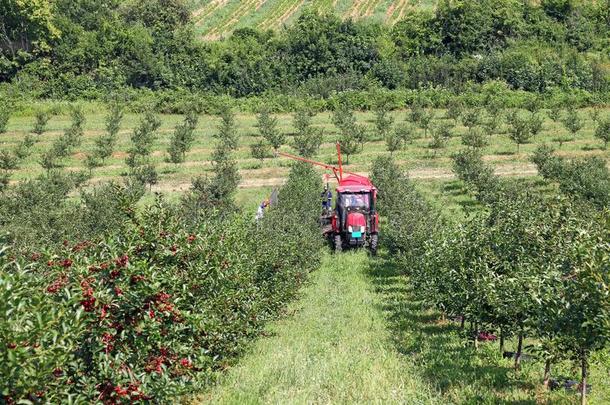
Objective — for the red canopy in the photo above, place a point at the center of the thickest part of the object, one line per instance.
(355, 184)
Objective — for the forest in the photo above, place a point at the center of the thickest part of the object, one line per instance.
(85, 49)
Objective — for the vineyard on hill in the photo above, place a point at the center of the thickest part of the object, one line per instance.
(216, 19)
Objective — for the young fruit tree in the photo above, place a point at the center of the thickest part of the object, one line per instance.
(577, 299)
(573, 123)
(595, 114)
(227, 130)
(493, 108)
(416, 111)
(383, 120)
(440, 136)
(454, 111)
(519, 130)
(396, 139)
(217, 192)
(65, 144)
(352, 135)
(532, 104)
(261, 150)
(24, 148)
(138, 158)
(535, 124)
(267, 126)
(104, 145)
(492, 124)
(474, 139)
(307, 139)
(554, 113)
(471, 118)
(8, 163)
(182, 139)
(42, 119)
(425, 121)
(602, 132)
(352, 140)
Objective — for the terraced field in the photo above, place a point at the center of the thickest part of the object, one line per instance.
(216, 19)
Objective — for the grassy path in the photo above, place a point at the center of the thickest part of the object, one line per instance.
(336, 348)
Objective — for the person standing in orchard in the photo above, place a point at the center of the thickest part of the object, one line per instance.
(327, 198)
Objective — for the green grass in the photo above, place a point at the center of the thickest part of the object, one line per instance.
(334, 348)
(357, 335)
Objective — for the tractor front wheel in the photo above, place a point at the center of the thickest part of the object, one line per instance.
(373, 244)
(338, 244)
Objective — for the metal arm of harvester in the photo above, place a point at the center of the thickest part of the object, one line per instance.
(337, 171)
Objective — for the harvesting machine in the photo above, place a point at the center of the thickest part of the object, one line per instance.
(354, 222)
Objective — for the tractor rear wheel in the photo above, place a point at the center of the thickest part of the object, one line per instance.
(338, 244)
(373, 244)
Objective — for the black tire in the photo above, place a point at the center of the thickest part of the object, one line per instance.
(373, 244)
(338, 244)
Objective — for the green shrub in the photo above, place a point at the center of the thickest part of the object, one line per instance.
(42, 118)
(5, 115)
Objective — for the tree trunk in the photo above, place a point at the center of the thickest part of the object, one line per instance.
(501, 341)
(583, 383)
(462, 322)
(547, 373)
(518, 354)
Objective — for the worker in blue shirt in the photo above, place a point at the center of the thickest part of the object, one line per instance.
(327, 198)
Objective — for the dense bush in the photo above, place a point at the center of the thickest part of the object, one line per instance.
(479, 177)
(587, 178)
(405, 232)
(151, 306)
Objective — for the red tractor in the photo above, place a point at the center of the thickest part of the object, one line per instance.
(354, 222)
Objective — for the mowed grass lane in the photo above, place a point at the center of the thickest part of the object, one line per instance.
(334, 348)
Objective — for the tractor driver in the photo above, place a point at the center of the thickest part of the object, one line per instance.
(356, 201)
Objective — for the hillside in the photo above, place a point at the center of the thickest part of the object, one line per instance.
(217, 18)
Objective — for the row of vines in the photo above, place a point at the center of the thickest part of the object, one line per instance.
(525, 266)
(105, 300)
